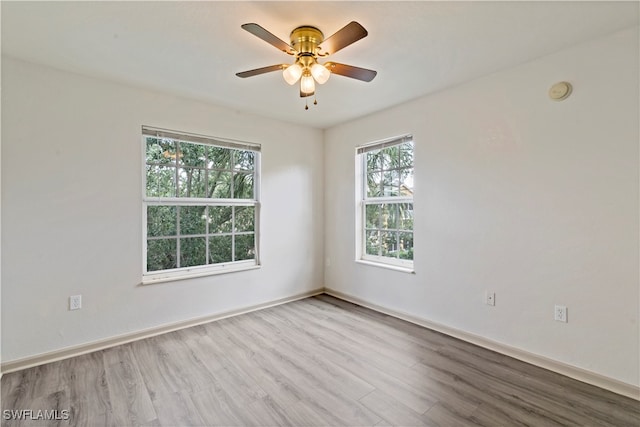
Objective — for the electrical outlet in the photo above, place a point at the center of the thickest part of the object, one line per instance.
(560, 313)
(75, 302)
(490, 298)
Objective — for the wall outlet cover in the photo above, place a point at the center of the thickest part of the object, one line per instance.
(490, 298)
(75, 302)
(560, 313)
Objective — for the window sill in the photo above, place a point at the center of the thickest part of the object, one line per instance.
(409, 270)
(152, 279)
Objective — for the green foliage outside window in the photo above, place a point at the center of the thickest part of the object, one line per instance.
(389, 230)
(206, 230)
(388, 224)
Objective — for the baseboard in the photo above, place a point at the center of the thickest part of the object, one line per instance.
(574, 372)
(579, 374)
(67, 352)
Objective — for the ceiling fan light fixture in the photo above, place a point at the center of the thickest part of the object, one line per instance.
(292, 73)
(320, 73)
(307, 84)
(307, 45)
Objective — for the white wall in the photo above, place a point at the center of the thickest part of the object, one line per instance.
(71, 210)
(534, 199)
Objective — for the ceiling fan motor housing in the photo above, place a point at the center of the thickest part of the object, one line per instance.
(305, 40)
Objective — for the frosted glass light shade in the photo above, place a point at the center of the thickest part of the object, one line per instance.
(307, 85)
(292, 73)
(320, 73)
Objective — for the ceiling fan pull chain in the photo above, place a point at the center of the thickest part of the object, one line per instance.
(315, 101)
(306, 104)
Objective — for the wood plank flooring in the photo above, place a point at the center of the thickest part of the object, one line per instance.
(315, 362)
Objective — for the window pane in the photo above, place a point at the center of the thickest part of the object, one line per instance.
(372, 216)
(161, 254)
(243, 160)
(373, 184)
(245, 217)
(405, 213)
(389, 243)
(219, 185)
(406, 182)
(192, 182)
(220, 219)
(245, 247)
(192, 154)
(406, 246)
(219, 249)
(161, 181)
(372, 242)
(389, 216)
(161, 150)
(390, 157)
(193, 251)
(390, 183)
(218, 158)
(406, 155)
(242, 185)
(193, 220)
(374, 161)
(161, 221)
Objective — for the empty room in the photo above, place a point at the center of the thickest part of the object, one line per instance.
(262, 213)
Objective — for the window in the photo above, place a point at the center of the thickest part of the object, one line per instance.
(200, 205)
(385, 208)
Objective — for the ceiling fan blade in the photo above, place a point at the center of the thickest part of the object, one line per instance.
(351, 71)
(265, 35)
(350, 33)
(257, 71)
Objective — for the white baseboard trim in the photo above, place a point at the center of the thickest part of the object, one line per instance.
(574, 372)
(67, 352)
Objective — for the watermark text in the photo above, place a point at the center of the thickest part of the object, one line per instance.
(36, 415)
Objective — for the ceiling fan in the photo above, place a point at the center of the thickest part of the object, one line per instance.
(308, 45)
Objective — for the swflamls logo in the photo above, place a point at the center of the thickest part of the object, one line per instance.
(37, 415)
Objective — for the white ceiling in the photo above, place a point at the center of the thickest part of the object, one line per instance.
(194, 49)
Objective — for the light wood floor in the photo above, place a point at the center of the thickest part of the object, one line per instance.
(314, 362)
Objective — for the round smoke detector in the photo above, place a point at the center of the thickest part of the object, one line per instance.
(560, 91)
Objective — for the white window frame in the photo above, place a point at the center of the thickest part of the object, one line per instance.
(362, 200)
(159, 276)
